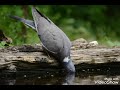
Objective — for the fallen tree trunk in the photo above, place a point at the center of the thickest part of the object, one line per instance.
(29, 57)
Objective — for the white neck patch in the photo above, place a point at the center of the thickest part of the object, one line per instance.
(66, 59)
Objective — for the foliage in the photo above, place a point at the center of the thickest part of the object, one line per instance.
(2, 44)
(92, 22)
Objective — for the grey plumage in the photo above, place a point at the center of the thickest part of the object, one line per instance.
(53, 39)
(29, 23)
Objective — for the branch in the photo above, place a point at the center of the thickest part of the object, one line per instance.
(32, 56)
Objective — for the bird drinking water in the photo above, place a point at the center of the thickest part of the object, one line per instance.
(53, 39)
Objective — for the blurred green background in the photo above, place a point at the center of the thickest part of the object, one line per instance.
(91, 22)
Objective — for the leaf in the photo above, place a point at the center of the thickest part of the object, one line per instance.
(3, 43)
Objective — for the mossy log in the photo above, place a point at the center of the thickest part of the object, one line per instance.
(33, 56)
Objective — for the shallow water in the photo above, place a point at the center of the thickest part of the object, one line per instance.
(82, 77)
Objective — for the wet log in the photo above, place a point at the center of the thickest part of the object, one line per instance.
(33, 56)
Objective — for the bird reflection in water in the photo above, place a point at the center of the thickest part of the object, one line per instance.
(69, 78)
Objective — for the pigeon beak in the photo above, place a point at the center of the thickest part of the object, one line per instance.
(69, 66)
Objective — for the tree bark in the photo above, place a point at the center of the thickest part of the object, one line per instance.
(33, 56)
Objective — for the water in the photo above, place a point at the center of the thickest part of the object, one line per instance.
(82, 77)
